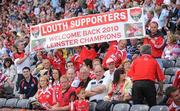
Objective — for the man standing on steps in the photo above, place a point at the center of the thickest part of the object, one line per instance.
(144, 72)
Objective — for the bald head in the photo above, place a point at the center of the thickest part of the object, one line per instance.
(99, 71)
(46, 63)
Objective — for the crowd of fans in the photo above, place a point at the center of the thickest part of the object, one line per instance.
(112, 72)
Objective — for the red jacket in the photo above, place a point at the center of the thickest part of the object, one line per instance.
(146, 68)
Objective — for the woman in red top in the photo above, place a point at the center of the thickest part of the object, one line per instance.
(56, 81)
(45, 94)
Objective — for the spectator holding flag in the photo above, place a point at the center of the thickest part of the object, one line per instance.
(117, 52)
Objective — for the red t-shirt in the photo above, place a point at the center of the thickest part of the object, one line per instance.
(56, 87)
(19, 55)
(64, 98)
(146, 68)
(45, 97)
(90, 4)
(159, 2)
(81, 105)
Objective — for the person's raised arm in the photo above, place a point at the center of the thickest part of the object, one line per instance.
(20, 60)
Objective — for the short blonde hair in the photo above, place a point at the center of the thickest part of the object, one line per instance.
(172, 38)
(124, 62)
(64, 77)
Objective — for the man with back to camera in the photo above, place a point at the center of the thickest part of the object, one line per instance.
(144, 71)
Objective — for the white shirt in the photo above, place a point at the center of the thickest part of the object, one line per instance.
(108, 75)
(25, 63)
(94, 83)
(75, 82)
(163, 17)
(37, 11)
(3, 51)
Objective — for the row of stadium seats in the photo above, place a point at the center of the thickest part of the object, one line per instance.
(24, 104)
(171, 63)
(14, 103)
(169, 79)
(170, 67)
(128, 107)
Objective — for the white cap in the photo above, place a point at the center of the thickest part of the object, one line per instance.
(109, 60)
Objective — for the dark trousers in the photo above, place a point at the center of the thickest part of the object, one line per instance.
(20, 77)
(144, 89)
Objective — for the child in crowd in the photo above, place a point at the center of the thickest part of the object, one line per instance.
(81, 104)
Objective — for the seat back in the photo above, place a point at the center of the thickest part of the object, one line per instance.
(172, 79)
(159, 108)
(168, 63)
(177, 63)
(139, 108)
(168, 79)
(92, 106)
(166, 86)
(23, 103)
(11, 102)
(121, 107)
(171, 71)
(2, 102)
